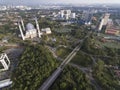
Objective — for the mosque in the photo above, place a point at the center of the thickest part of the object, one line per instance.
(29, 31)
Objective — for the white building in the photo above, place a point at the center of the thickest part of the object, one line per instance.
(29, 31)
(104, 21)
(62, 13)
(101, 25)
(5, 83)
(106, 18)
(66, 14)
(73, 15)
(4, 40)
(46, 30)
(5, 62)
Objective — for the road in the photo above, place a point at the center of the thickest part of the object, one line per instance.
(85, 70)
(56, 73)
(53, 77)
(9, 44)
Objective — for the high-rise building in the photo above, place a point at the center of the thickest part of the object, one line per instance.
(101, 25)
(104, 21)
(62, 13)
(106, 18)
(66, 14)
(72, 15)
(87, 17)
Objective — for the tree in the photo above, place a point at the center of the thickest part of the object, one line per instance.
(35, 65)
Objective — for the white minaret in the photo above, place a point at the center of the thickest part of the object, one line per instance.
(20, 28)
(101, 25)
(23, 26)
(4, 60)
(38, 28)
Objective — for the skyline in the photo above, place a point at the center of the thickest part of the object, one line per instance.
(30, 2)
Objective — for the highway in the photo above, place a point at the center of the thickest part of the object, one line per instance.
(51, 79)
(69, 57)
(56, 73)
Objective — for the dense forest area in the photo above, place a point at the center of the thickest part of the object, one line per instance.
(109, 55)
(104, 56)
(104, 77)
(82, 59)
(72, 79)
(36, 64)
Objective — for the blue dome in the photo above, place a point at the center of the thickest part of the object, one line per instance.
(30, 26)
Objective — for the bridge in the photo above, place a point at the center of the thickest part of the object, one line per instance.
(53, 77)
(56, 73)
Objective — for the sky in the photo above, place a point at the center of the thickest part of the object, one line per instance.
(58, 1)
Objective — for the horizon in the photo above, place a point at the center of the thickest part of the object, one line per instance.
(37, 2)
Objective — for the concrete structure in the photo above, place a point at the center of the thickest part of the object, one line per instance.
(66, 14)
(101, 25)
(73, 15)
(106, 18)
(5, 40)
(23, 26)
(87, 17)
(104, 21)
(112, 31)
(30, 31)
(62, 13)
(5, 83)
(56, 73)
(38, 28)
(5, 62)
(46, 30)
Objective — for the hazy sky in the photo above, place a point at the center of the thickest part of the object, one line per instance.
(57, 1)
